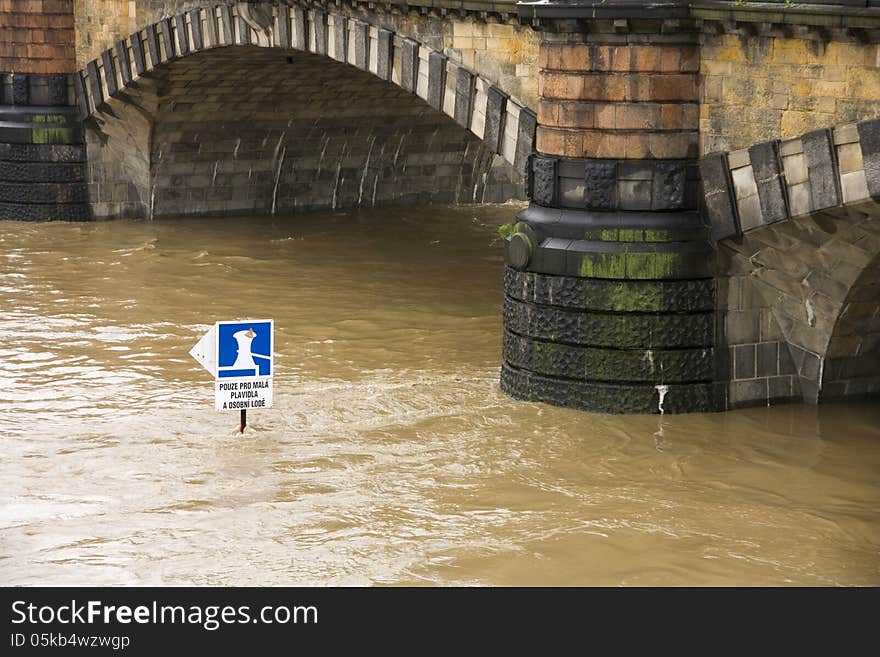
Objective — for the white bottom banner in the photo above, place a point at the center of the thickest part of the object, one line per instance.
(245, 392)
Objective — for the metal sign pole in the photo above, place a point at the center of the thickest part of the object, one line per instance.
(243, 420)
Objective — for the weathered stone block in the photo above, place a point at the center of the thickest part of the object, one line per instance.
(409, 65)
(544, 181)
(669, 181)
(124, 62)
(137, 51)
(195, 24)
(869, 139)
(464, 97)
(300, 29)
(600, 184)
(719, 198)
(765, 163)
(180, 31)
(20, 89)
(319, 22)
(361, 49)
(496, 103)
(384, 54)
(109, 72)
(822, 168)
(436, 79)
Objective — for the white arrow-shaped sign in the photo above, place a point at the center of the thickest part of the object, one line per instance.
(205, 351)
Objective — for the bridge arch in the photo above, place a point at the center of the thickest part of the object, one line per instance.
(120, 87)
(797, 224)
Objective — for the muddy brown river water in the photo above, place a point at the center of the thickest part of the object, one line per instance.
(391, 456)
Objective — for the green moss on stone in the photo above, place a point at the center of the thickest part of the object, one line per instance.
(603, 265)
(52, 135)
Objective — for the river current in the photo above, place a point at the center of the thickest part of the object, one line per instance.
(390, 455)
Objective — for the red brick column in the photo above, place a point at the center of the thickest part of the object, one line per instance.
(619, 101)
(37, 36)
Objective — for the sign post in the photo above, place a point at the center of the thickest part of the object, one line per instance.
(239, 356)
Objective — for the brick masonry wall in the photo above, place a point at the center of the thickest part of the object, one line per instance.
(99, 24)
(756, 88)
(321, 135)
(37, 36)
(633, 101)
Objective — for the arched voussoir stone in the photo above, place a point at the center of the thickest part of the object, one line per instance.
(504, 125)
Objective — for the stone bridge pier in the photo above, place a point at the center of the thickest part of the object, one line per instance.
(703, 176)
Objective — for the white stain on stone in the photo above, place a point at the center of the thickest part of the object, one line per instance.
(811, 315)
(662, 390)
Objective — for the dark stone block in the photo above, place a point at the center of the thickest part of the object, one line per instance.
(614, 330)
(195, 26)
(243, 31)
(608, 365)
(109, 72)
(780, 388)
(169, 47)
(137, 51)
(384, 54)
(682, 296)
(600, 184)
(42, 152)
(767, 170)
(226, 36)
(822, 169)
(668, 186)
(320, 27)
(124, 62)
(496, 110)
(544, 181)
(96, 91)
(300, 29)
(81, 95)
(281, 29)
(869, 139)
(744, 361)
(33, 192)
(409, 65)
(810, 367)
(464, 97)
(605, 397)
(212, 36)
(750, 392)
(768, 359)
(56, 90)
(719, 197)
(551, 257)
(436, 79)
(153, 45)
(45, 211)
(340, 37)
(360, 45)
(182, 39)
(20, 89)
(525, 137)
(42, 172)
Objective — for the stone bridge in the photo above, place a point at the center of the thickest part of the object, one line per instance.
(703, 176)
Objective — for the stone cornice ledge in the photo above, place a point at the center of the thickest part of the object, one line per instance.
(858, 14)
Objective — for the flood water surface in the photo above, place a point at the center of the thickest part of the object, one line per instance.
(390, 456)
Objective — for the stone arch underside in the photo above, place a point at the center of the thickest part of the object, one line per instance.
(168, 93)
(798, 229)
(219, 136)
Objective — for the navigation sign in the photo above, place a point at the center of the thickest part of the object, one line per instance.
(239, 356)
